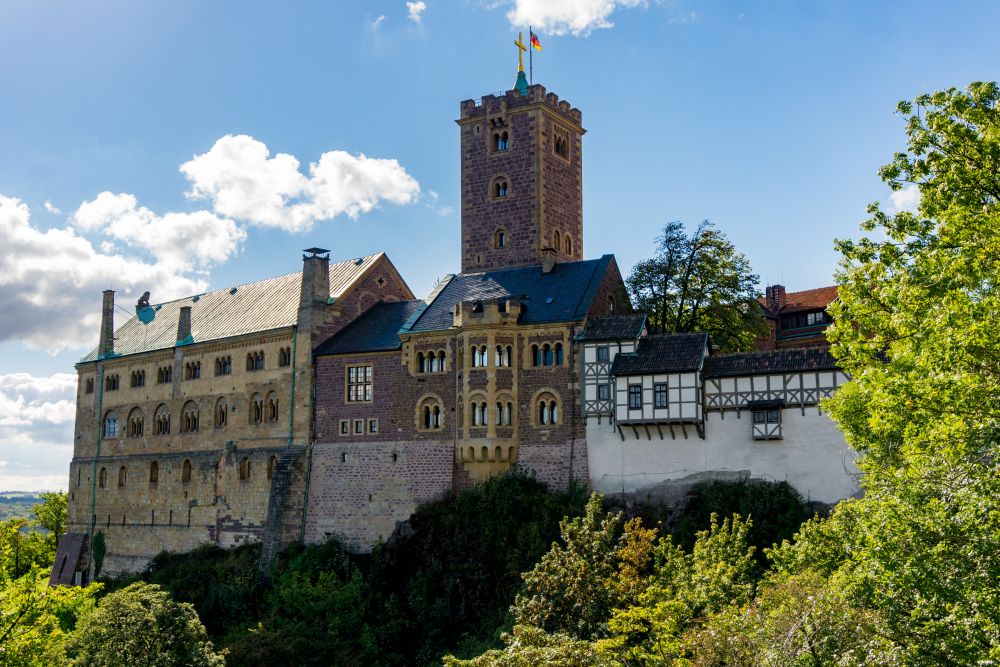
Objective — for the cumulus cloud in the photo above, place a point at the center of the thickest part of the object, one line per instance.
(51, 209)
(906, 199)
(377, 22)
(561, 17)
(415, 10)
(36, 428)
(51, 281)
(185, 241)
(242, 180)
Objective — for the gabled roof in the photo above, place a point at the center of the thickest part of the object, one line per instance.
(810, 299)
(761, 363)
(669, 353)
(613, 327)
(562, 295)
(374, 331)
(258, 306)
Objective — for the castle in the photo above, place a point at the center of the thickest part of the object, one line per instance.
(332, 402)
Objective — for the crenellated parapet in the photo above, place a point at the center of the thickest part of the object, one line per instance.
(511, 100)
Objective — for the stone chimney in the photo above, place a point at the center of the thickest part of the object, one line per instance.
(774, 296)
(106, 343)
(184, 326)
(548, 260)
(315, 292)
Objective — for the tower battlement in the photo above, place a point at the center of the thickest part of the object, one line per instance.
(510, 100)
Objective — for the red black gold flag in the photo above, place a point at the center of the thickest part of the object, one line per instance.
(534, 40)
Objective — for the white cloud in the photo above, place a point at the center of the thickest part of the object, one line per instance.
(561, 17)
(415, 9)
(243, 181)
(51, 209)
(51, 282)
(36, 429)
(906, 199)
(185, 241)
(377, 22)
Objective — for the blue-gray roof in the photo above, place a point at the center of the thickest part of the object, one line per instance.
(376, 330)
(562, 295)
(666, 353)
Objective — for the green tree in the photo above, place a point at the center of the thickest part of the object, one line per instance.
(35, 618)
(141, 625)
(699, 282)
(916, 328)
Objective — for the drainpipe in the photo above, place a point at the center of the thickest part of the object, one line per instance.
(93, 473)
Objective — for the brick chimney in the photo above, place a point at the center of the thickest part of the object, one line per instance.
(184, 326)
(106, 343)
(315, 291)
(774, 296)
(548, 260)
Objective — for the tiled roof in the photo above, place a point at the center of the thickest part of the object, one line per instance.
(259, 306)
(613, 327)
(562, 295)
(669, 353)
(68, 554)
(375, 331)
(810, 299)
(778, 361)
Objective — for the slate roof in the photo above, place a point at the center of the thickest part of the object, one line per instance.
(613, 327)
(779, 361)
(562, 295)
(810, 299)
(258, 306)
(669, 353)
(69, 552)
(377, 330)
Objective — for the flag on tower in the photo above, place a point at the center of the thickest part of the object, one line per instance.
(534, 40)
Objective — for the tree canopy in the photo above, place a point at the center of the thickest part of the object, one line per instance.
(699, 282)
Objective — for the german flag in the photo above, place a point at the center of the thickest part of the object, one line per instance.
(534, 40)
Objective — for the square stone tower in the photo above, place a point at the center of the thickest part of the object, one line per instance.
(522, 180)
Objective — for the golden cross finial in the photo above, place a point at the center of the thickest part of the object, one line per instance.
(521, 48)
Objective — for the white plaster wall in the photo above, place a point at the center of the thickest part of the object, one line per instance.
(812, 456)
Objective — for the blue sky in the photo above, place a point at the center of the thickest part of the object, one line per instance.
(771, 119)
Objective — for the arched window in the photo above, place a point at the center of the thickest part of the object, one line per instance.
(559, 354)
(500, 141)
(122, 477)
(189, 418)
(285, 356)
(430, 415)
(484, 415)
(186, 472)
(138, 378)
(501, 239)
(221, 412)
(255, 361)
(500, 188)
(498, 358)
(161, 421)
(272, 407)
(546, 409)
(136, 422)
(536, 356)
(499, 414)
(611, 305)
(568, 242)
(271, 462)
(441, 358)
(508, 413)
(244, 469)
(555, 240)
(421, 368)
(546, 355)
(192, 370)
(560, 145)
(256, 409)
(154, 472)
(111, 425)
(111, 383)
(102, 478)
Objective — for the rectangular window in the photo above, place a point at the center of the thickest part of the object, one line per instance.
(604, 392)
(359, 383)
(373, 426)
(345, 427)
(359, 426)
(758, 416)
(635, 397)
(816, 318)
(603, 354)
(659, 395)
(773, 417)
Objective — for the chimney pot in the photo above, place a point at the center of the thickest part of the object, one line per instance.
(548, 260)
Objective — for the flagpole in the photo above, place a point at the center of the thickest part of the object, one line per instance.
(531, 58)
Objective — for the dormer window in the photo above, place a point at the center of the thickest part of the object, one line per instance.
(500, 188)
(500, 141)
